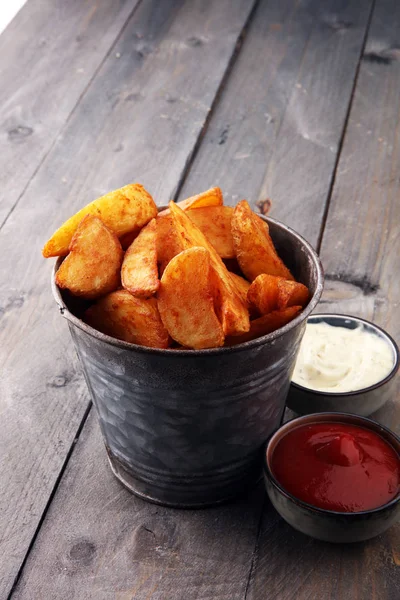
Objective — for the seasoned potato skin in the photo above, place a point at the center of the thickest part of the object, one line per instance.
(186, 300)
(127, 318)
(268, 293)
(263, 293)
(242, 286)
(254, 248)
(215, 223)
(168, 242)
(211, 197)
(92, 267)
(231, 310)
(124, 210)
(292, 293)
(139, 272)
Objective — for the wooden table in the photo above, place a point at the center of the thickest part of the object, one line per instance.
(293, 101)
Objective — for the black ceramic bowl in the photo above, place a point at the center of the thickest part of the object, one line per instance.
(327, 525)
(363, 402)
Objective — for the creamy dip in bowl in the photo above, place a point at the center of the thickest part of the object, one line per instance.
(345, 364)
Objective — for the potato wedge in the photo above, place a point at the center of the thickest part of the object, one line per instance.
(122, 211)
(211, 197)
(265, 324)
(127, 318)
(254, 248)
(292, 293)
(215, 223)
(92, 267)
(263, 294)
(231, 310)
(242, 286)
(168, 241)
(186, 300)
(139, 272)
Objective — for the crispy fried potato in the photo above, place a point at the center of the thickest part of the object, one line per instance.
(92, 267)
(231, 310)
(122, 211)
(215, 223)
(168, 241)
(265, 324)
(291, 293)
(139, 272)
(186, 300)
(242, 286)
(127, 318)
(254, 248)
(263, 294)
(211, 197)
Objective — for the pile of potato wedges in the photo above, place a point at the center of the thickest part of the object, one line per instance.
(196, 275)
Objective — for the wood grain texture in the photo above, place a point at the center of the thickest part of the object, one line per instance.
(99, 541)
(140, 118)
(276, 130)
(360, 252)
(48, 56)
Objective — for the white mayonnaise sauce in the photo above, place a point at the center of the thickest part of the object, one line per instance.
(337, 359)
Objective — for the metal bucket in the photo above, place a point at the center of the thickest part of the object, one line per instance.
(186, 428)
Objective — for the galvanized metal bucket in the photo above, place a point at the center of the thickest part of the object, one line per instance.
(186, 428)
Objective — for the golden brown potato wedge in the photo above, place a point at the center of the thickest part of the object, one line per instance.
(291, 293)
(92, 267)
(265, 324)
(168, 241)
(127, 318)
(242, 286)
(254, 248)
(186, 300)
(215, 223)
(122, 211)
(139, 272)
(231, 310)
(211, 197)
(263, 294)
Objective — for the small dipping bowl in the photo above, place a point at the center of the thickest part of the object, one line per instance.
(323, 524)
(363, 402)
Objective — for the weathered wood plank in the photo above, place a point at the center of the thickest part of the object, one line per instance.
(124, 556)
(277, 128)
(48, 56)
(360, 252)
(141, 117)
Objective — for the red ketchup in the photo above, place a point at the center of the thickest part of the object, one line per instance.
(337, 467)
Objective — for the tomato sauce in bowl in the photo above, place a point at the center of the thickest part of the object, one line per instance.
(337, 466)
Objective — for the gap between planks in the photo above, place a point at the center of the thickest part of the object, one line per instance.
(339, 152)
(50, 499)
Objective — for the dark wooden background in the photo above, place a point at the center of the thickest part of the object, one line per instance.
(293, 100)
